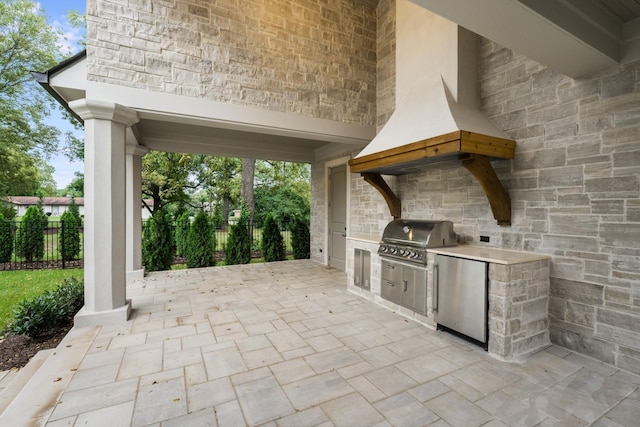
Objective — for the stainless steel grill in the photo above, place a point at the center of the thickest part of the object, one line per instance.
(409, 239)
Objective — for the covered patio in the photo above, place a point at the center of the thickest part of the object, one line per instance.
(285, 344)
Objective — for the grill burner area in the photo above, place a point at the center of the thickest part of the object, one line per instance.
(408, 239)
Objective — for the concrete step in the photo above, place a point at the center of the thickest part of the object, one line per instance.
(36, 400)
(16, 379)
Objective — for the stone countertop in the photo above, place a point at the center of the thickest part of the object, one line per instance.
(489, 254)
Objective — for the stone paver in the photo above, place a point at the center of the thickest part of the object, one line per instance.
(285, 344)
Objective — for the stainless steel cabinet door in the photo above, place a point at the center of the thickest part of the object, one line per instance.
(461, 294)
(414, 286)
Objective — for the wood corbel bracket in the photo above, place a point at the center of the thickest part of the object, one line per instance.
(378, 182)
(499, 199)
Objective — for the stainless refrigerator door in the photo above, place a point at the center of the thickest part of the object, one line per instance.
(461, 292)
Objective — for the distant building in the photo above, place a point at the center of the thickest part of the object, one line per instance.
(56, 206)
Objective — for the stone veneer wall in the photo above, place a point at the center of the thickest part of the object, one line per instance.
(575, 191)
(364, 223)
(315, 58)
(518, 315)
(369, 212)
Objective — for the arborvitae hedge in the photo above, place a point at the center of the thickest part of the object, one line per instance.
(70, 232)
(272, 242)
(238, 249)
(30, 240)
(183, 224)
(300, 239)
(199, 246)
(6, 239)
(158, 245)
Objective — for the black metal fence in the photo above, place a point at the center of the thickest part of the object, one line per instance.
(36, 246)
(255, 233)
(49, 253)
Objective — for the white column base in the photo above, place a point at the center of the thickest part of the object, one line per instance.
(86, 318)
(135, 274)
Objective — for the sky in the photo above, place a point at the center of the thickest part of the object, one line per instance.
(56, 13)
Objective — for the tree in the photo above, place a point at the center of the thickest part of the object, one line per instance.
(6, 239)
(282, 190)
(220, 178)
(75, 187)
(200, 247)
(158, 245)
(300, 239)
(183, 224)
(70, 233)
(281, 202)
(7, 210)
(238, 249)
(272, 242)
(27, 43)
(30, 240)
(167, 178)
(246, 188)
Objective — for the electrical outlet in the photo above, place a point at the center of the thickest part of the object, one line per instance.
(484, 238)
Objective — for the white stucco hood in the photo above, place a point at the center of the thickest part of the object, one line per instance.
(436, 83)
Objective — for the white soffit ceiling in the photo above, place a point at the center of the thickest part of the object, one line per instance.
(574, 37)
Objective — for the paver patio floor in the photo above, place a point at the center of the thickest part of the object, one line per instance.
(285, 344)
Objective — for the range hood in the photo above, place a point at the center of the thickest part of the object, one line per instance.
(437, 115)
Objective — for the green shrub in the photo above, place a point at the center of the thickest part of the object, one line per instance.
(200, 247)
(6, 239)
(157, 243)
(300, 239)
(182, 234)
(70, 233)
(218, 218)
(41, 315)
(7, 210)
(212, 230)
(30, 240)
(238, 249)
(272, 242)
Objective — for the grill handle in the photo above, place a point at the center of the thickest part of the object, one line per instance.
(434, 289)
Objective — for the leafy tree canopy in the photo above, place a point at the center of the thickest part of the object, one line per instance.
(167, 178)
(27, 42)
(75, 187)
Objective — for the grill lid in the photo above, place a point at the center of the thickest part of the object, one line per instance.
(420, 233)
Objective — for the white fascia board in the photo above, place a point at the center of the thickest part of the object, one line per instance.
(203, 112)
(519, 28)
(72, 79)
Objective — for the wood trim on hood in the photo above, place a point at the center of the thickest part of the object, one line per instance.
(472, 149)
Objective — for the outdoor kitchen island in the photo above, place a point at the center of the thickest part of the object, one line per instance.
(518, 294)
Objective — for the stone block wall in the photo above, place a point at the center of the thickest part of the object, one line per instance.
(369, 213)
(311, 57)
(518, 309)
(575, 190)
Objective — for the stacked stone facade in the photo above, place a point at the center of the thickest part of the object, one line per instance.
(574, 182)
(314, 58)
(575, 190)
(518, 308)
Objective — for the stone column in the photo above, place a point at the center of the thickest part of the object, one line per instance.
(105, 125)
(134, 213)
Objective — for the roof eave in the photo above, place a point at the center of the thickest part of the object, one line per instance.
(44, 79)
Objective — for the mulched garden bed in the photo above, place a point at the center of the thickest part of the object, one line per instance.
(17, 350)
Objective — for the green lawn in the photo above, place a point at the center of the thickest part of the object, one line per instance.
(16, 286)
